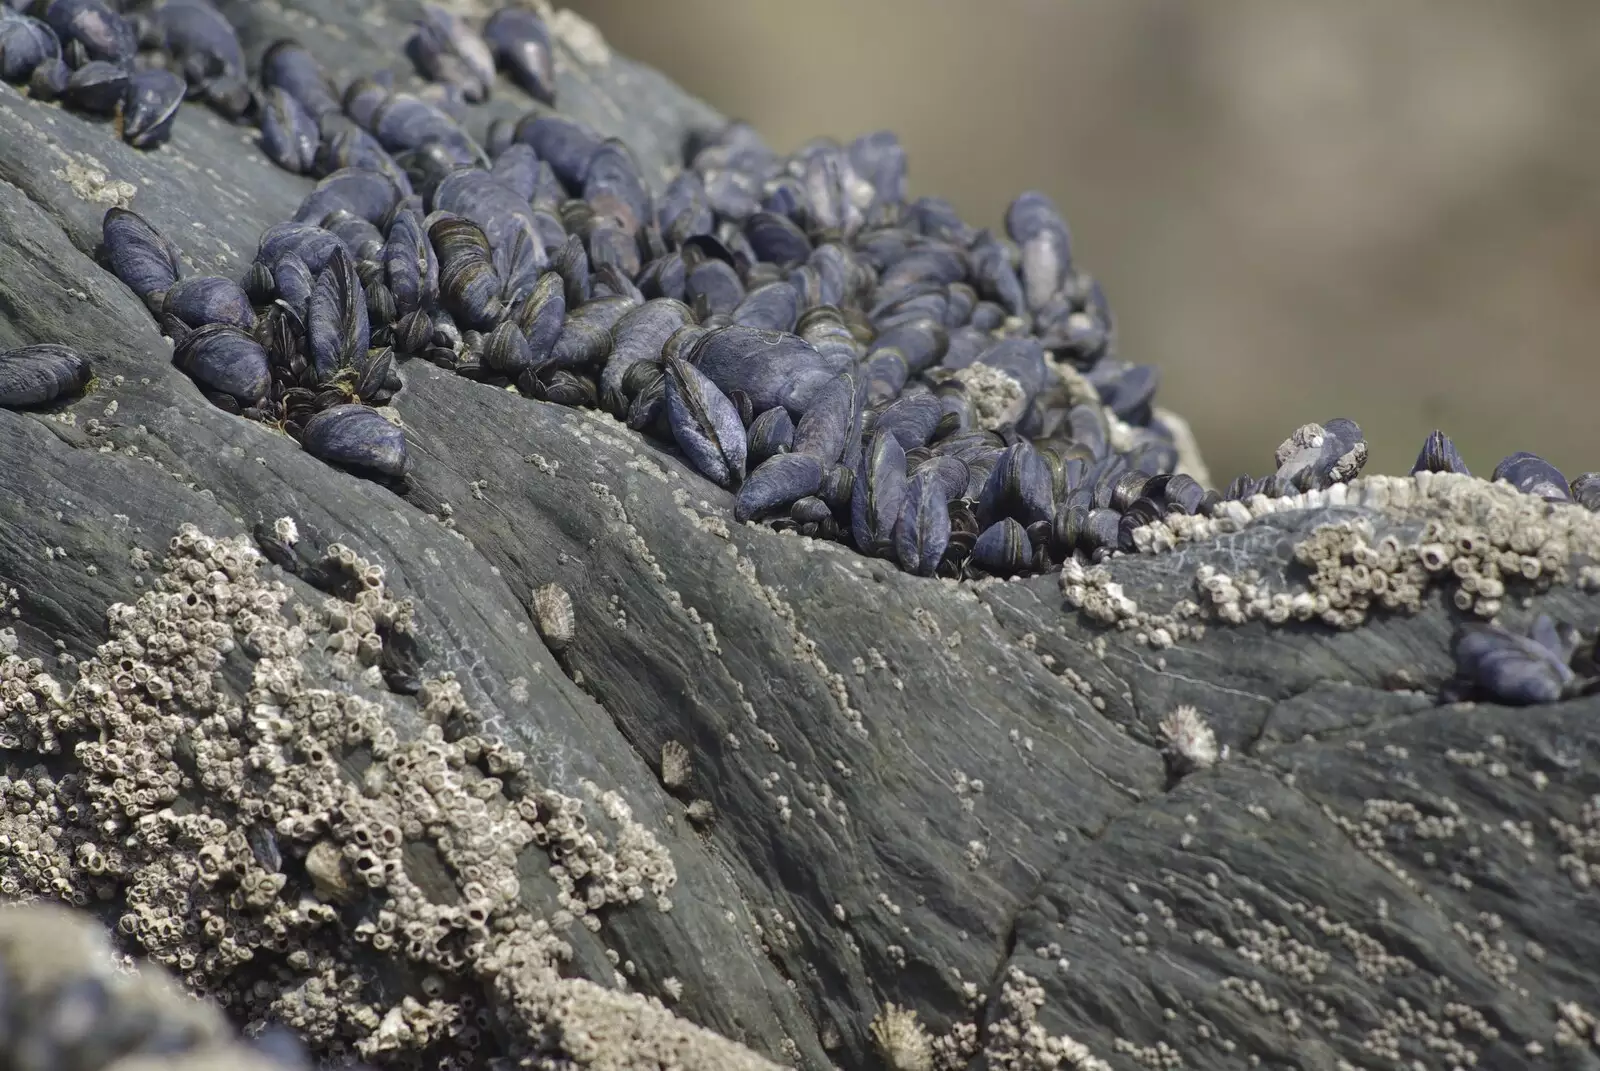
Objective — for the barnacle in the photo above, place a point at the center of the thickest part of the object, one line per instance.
(276, 855)
(903, 1043)
(1188, 741)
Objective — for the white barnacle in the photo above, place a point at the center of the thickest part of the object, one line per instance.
(286, 531)
(675, 764)
(552, 614)
(997, 398)
(701, 813)
(1187, 741)
(902, 1042)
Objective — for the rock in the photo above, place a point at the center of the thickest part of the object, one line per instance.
(69, 1000)
(949, 798)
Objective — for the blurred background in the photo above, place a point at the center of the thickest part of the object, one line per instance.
(1384, 211)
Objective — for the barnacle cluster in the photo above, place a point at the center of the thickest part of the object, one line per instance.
(1382, 543)
(285, 849)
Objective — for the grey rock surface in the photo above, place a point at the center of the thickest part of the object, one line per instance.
(951, 798)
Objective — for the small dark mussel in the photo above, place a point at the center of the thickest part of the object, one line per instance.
(41, 374)
(97, 87)
(445, 49)
(288, 66)
(1317, 456)
(1586, 491)
(1003, 549)
(289, 133)
(357, 438)
(49, 80)
(227, 364)
(208, 299)
(706, 424)
(560, 386)
(90, 30)
(140, 256)
(205, 49)
(151, 104)
(25, 45)
(1507, 667)
(521, 44)
(770, 434)
(1439, 454)
(1533, 475)
(922, 532)
(777, 483)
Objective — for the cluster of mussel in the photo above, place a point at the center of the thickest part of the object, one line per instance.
(136, 67)
(295, 345)
(852, 363)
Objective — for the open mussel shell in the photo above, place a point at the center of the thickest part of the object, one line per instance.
(41, 374)
(358, 438)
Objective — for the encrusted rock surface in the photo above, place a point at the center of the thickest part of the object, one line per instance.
(756, 784)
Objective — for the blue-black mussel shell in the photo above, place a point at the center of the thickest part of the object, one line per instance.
(140, 255)
(357, 438)
(39, 375)
(224, 360)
